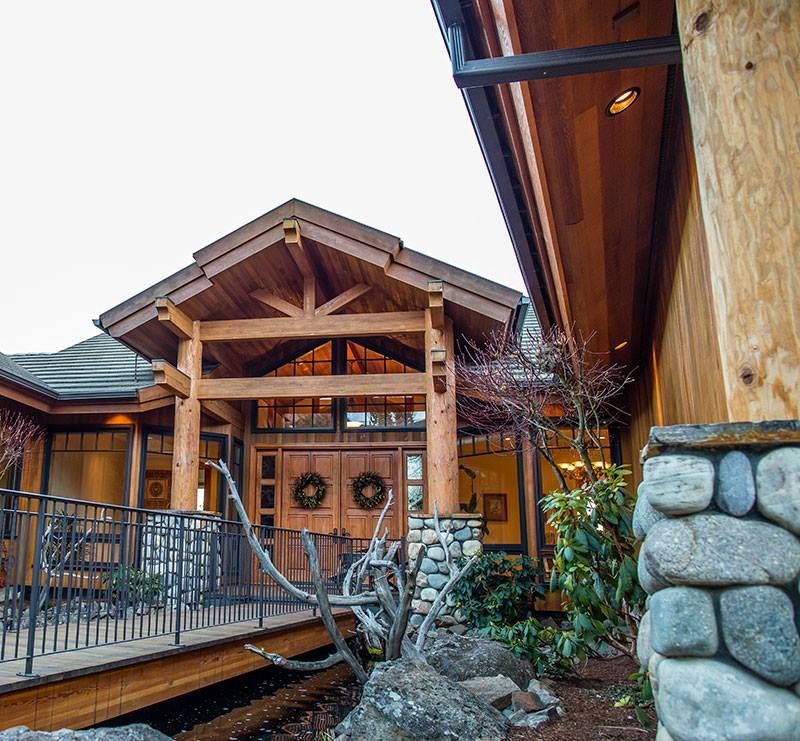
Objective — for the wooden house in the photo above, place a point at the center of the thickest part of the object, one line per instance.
(301, 342)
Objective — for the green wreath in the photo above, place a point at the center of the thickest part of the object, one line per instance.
(302, 482)
(365, 480)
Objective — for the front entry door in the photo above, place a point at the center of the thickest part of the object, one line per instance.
(359, 522)
(324, 518)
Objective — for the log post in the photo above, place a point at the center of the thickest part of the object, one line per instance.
(741, 60)
(440, 417)
(186, 444)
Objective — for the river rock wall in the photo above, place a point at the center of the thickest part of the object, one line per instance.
(463, 537)
(719, 513)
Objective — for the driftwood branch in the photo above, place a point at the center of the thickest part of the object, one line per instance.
(298, 666)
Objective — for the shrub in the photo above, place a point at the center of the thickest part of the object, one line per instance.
(131, 586)
(595, 564)
(498, 589)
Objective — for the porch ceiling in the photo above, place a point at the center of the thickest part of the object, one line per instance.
(343, 253)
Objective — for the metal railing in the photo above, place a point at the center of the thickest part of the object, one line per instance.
(77, 574)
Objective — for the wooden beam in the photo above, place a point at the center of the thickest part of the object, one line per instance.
(340, 325)
(297, 250)
(173, 318)
(441, 425)
(222, 411)
(309, 295)
(439, 369)
(741, 72)
(436, 303)
(343, 299)
(186, 438)
(378, 384)
(276, 302)
(168, 377)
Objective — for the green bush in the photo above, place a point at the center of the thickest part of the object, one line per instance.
(595, 565)
(498, 589)
(131, 586)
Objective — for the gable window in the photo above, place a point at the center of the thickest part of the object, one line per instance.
(341, 357)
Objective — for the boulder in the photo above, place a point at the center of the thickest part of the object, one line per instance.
(648, 580)
(644, 649)
(682, 623)
(644, 515)
(437, 581)
(679, 484)
(778, 478)
(471, 547)
(527, 702)
(496, 691)
(736, 493)
(409, 701)
(534, 720)
(543, 693)
(463, 657)
(758, 625)
(135, 732)
(707, 700)
(712, 549)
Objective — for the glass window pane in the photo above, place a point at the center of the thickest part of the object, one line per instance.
(268, 467)
(214, 449)
(267, 496)
(414, 497)
(73, 441)
(119, 440)
(166, 443)
(153, 443)
(60, 441)
(104, 441)
(267, 520)
(414, 467)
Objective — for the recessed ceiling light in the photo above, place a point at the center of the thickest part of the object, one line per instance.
(623, 101)
(621, 345)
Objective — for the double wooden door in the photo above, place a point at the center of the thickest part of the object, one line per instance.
(338, 511)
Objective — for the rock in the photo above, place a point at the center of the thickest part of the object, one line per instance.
(652, 669)
(462, 657)
(662, 734)
(736, 492)
(443, 568)
(135, 732)
(429, 537)
(475, 523)
(416, 620)
(679, 484)
(463, 534)
(649, 581)
(429, 594)
(778, 477)
(436, 553)
(707, 700)
(514, 716)
(472, 548)
(422, 580)
(644, 515)
(414, 536)
(644, 649)
(415, 523)
(409, 701)
(437, 581)
(758, 625)
(428, 566)
(543, 693)
(528, 702)
(682, 623)
(718, 550)
(455, 549)
(495, 690)
(413, 550)
(534, 720)
(458, 629)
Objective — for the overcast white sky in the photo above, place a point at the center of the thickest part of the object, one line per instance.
(133, 134)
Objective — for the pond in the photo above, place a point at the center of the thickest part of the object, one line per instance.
(270, 703)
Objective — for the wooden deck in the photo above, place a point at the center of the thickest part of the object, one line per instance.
(80, 688)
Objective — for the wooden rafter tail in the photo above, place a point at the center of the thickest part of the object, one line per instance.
(439, 369)
(173, 318)
(297, 250)
(169, 378)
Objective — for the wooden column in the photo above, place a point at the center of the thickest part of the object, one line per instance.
(741, 61)
(440, 416)
(186, 445)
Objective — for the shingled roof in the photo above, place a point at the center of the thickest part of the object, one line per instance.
(100, 367)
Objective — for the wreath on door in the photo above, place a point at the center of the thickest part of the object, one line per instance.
(300, 489)
(367, 480)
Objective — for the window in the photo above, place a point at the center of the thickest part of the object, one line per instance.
(89, 464)
(299, 414)
(157, 477)
(415, 482)
(267, 488)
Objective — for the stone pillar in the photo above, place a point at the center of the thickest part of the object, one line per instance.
(184, 553)
(464, 537)
(719, 512)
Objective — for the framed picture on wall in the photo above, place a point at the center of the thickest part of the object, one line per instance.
(495, 507)
(157, 486)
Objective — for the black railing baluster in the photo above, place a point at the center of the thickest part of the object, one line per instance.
(33, 609)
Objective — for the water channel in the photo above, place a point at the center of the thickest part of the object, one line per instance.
(271, 703)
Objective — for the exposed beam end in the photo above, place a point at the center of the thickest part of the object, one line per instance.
(168, 377)
(173, 318)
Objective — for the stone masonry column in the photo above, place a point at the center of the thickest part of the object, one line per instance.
(464, 537)
(719, 513)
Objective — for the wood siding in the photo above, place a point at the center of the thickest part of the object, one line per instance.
(679, 378)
